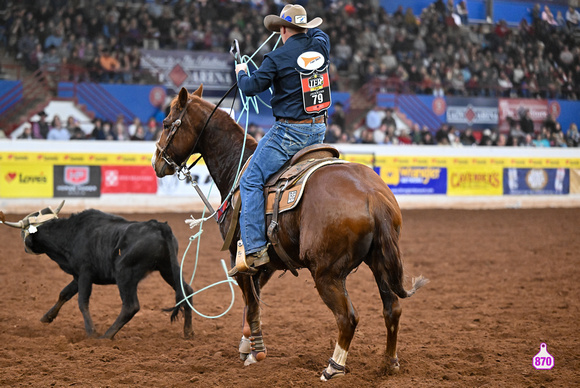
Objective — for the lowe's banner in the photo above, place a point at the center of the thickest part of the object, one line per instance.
(543, 181)
(189, 69)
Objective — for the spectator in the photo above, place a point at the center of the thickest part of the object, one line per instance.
(102, 130)
(528, 141)
(26, 132)
(338, 116)
(40, 128)
(442, 135)
(572, 18)
(132, 128)
(139, 134)
(467, 137)
(541, 140)
(110, 66)
(152, 130)
(461, 10)
(333, 134)
(374, 118)
(573, 136)
(57, 130)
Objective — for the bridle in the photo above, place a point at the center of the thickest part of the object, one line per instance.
(183, 168)
(163, 150)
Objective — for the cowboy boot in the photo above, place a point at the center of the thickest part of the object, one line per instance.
(247, 264)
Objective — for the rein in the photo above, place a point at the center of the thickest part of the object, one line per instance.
(180, 168)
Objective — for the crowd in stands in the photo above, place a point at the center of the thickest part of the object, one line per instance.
(100, 129)
(438, 52)
(380, 127)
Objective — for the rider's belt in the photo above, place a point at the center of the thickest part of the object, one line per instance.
(314, 120)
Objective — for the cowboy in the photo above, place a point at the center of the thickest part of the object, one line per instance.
(300, 97)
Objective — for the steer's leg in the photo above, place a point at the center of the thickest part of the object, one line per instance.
(331, 288)
(128, 289)
(65, 295)
(85, 287)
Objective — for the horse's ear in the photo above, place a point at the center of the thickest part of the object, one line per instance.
(199, 91)
(183, 97)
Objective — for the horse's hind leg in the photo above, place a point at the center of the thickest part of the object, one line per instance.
(392, 312)
(333, 292)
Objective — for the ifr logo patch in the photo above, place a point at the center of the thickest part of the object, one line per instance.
(292, 196)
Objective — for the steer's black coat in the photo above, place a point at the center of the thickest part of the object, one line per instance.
(100, 248)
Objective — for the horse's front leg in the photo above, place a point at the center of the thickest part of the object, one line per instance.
(252, 348)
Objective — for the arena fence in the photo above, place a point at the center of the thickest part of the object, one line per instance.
(117, 176)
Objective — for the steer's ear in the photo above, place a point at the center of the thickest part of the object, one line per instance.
(183, 97)
(199, 91)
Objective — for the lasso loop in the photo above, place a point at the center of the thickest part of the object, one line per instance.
(246, 102)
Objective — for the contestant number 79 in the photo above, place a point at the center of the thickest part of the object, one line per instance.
(317, 98)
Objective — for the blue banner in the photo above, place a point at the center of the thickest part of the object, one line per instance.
(540, 181)
(414, 180)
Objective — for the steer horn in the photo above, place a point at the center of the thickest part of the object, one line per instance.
(59, 207)
(18, 224)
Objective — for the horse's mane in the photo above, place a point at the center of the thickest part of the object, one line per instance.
(219, 114)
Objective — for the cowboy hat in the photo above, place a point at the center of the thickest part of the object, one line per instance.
(293, 16)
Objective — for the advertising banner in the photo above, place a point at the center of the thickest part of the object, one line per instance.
(513, 107)
(26, 180)
(172, 186)
(472, 112)
(77, 181)
(128, 179)
(467, 180)
(414, 180)
(189, 69)
(544, 181)
(574, 181)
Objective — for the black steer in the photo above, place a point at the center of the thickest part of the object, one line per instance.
(100, 248)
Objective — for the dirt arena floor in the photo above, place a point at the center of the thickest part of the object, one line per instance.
(502, 283)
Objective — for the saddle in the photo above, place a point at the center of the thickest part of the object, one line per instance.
(282, 192)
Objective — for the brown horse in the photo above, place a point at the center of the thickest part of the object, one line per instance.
(347, 216)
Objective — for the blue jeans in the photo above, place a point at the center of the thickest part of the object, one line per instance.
(277, 147)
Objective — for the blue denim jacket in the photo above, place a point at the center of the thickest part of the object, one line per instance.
(280, 69)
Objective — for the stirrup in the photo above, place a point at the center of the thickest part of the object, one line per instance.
(246, 264)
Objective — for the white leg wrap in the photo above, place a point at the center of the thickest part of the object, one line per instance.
(339, 355)
(245, 346)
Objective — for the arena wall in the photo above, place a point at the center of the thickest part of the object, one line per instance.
(117, 177)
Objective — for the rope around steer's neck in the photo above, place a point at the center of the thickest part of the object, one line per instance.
(246, 102)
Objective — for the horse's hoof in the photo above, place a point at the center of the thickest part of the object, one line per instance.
(188, 336)
(254, 357)
(244, 356)
(331, 375)
(46, 319)
(251, 359)
(393, 367)
(333, 370)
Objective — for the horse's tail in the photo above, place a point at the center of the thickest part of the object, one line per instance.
(386, 261)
